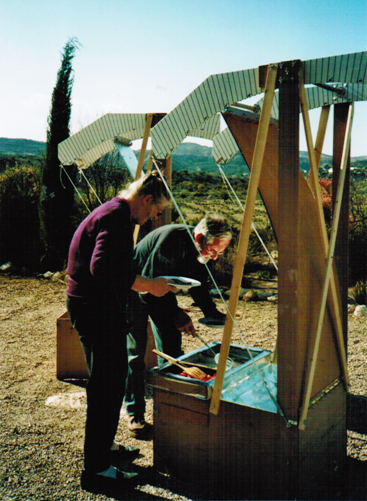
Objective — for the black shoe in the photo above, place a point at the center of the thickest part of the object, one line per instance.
(124, 453)
(98, 484)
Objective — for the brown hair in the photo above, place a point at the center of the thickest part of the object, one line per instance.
(150, 184)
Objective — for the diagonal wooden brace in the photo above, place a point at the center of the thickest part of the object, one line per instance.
(248, 213)
(328, 281)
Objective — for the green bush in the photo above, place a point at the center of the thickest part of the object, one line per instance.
(359, 292)
(185, 194)
(19, 216)
(357, 233)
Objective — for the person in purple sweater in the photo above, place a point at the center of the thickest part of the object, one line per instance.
(101, 275)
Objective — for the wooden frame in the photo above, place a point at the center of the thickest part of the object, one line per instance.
(297, 455)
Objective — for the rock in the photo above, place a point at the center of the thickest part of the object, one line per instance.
(56, 276)
(48, 274)
(250, 296)
(351, 308)
(273, 299)
(241, 293)
(360, 311)
(6, 266)
(263, 296)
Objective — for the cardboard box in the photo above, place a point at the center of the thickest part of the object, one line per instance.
(70, 361)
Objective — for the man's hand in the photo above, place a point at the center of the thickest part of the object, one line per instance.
(160, 287)
(188, 328)
(156, 286)
(184, 323)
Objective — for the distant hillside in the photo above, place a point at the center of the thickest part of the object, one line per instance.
(187, 156)
(21, 147)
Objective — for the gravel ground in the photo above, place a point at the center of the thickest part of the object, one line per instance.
(42, 418)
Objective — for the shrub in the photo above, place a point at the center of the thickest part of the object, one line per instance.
(357, 233)
(19, 230)
(185, 194)
(359, 292)
(326, 198)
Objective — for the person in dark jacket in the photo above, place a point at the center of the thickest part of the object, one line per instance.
(101, 275)
(169, 250)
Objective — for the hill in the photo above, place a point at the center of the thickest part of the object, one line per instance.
(188, 156)
(21, 147)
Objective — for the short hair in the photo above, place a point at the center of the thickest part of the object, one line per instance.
(149, 184)
(214, 226)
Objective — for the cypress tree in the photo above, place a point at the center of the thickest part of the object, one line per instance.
(57, 192)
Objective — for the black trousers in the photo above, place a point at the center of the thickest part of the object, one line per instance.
(162, 312)
(102, 330)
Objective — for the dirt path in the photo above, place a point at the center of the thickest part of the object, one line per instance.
(42, 418)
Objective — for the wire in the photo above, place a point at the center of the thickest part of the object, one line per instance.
(224, 177)
(90, 186)
(75, 188)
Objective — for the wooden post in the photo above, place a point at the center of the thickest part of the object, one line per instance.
(245, 234)
(341, 248)
(143, 148)
(168, 176)
(139, 168)
(290, 344)
(324, 116)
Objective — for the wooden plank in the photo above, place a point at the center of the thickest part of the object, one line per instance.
(143, 148)
(328, 273)
(324, 116)
(139, 168)
(168, 176)
(322, 447)
(314, 184)
(342, 244)
(291, 310)
(229, 454)
(245, 233)
(314, 167)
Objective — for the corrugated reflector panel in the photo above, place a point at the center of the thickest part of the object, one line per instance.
(209, 129)
(95, 140)
(224, 144)
(347, 68)
(215, 94)
(317, 96)
(224, 147)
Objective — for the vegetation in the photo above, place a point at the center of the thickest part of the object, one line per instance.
(100, 182)
(195, 191)
(359, 292)
(20, 224)
(57, 192)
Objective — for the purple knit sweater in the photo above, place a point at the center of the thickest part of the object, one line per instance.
(100, 254)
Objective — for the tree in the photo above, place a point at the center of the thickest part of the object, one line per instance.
(57, 192)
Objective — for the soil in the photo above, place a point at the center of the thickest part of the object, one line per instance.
(42, 418)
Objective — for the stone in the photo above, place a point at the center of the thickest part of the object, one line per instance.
(360, 311)
(251, 296)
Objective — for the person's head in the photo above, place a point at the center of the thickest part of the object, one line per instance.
(147, 197)
(212, 235)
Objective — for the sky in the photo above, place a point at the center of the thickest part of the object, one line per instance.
(142, 56)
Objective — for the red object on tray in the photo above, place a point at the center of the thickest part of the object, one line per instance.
(207, 378)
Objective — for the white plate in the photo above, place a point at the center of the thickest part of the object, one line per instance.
(182, 283)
